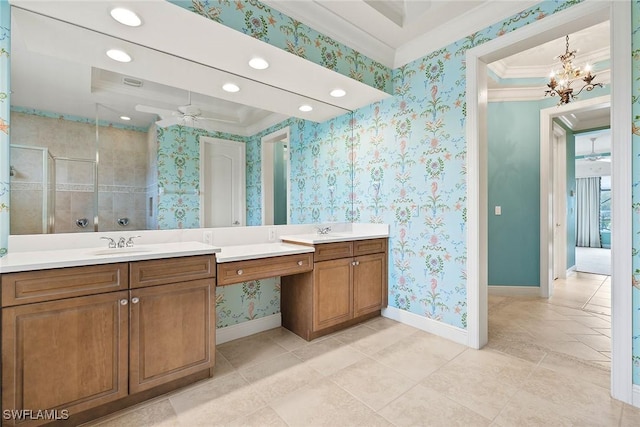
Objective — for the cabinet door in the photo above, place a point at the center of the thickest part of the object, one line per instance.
(172, 332)
(369, 283)
(70, 354)
(332, 293)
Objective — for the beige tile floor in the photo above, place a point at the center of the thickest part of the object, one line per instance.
(547, 363)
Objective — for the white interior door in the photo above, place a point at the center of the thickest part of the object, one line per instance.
(222, 173)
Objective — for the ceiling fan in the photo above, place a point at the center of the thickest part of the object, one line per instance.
(188, 115)
(593, 157)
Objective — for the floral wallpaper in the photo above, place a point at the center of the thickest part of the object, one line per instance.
(247, 301)
(264, 23)
(5, 70)
(635, 16)
(321, 192)
(72, 118)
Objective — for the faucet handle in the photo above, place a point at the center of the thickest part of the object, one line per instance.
(130, 241)
(112, 243)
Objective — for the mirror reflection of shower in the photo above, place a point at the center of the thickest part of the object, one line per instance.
(32, 174)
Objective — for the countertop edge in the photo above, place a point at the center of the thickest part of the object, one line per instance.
(331, 239)
(105, 259)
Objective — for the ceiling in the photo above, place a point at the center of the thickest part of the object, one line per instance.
(395, 32)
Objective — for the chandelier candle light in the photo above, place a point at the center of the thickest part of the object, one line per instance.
(560, 82)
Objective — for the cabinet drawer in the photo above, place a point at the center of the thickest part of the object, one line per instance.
(371, 246)
(46, 285)
(244, 271)
(171, 270)
(327, 251)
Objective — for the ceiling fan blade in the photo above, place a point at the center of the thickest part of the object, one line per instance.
(213, 119)
(155, 110)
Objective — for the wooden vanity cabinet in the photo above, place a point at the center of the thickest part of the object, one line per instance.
(94, 353)
(172, 320)
(348, 284)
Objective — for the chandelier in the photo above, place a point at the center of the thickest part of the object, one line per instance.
(560, 82)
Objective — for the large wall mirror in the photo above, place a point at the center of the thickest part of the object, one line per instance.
(98, 145)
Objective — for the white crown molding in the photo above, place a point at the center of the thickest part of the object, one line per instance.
(504, 71)
(475, 19)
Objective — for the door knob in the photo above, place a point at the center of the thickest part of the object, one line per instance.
(135, 300)
(123, 302)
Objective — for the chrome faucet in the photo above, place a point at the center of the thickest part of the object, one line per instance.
(121, 242)
(112, 243)
(323, 230)
(130, 241)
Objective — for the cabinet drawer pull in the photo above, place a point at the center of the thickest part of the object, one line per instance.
(240, 272)
(353, 263)
(135, 300)
(123, 302)
(300, 262)
(357, 262)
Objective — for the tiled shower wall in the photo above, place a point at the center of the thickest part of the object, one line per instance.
(122, 174)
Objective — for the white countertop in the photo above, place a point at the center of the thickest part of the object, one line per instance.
(41, 260)
(315, 238)
(260, 250)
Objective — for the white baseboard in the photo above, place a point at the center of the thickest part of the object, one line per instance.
(244, 329)
(636, 396)
(428, 325)
(514, 291)
(571, 269)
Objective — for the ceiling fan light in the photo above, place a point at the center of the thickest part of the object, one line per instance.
(258, 63)
(119, 55)
(126, 17)
(230, 87)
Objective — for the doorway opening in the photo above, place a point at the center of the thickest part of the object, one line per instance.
(275, 161)
(555, 26)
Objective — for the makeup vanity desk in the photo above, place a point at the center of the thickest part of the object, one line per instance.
(328, 282)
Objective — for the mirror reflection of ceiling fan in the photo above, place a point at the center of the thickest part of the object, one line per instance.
(188, 115)
(593, 157)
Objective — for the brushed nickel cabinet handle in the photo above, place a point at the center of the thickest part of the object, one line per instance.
(299, 262)
(239, 272)
(135, 300)
(353, 263)
(124, 302)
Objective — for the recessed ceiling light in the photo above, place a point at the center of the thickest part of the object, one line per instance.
(230, 87)
(338, 93)
(126, 17)
(258, 63)
(125, 118)
(305, 108)
(118, 55)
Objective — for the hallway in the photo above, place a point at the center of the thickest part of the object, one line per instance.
(569, 333)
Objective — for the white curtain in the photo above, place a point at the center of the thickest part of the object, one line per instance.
(588, 212)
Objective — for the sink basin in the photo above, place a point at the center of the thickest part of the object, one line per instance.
(120, 251)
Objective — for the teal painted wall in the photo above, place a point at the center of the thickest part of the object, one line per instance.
(279, 183)
(514, 184)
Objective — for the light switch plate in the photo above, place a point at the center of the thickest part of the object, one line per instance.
(272, 234)
(498, 210)
(207, 237)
